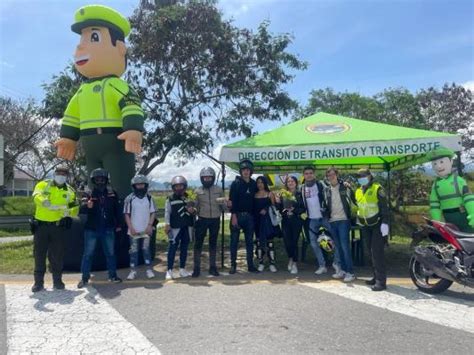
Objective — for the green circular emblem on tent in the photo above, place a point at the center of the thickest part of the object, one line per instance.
(328, 128)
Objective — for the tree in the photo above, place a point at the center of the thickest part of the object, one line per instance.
(202, 78)
(450, 109)
(26, 135)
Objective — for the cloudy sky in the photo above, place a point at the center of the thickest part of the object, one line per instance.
(353, 45)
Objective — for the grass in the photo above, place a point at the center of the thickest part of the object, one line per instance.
(18, 205)
(14, 232)
(16, 258)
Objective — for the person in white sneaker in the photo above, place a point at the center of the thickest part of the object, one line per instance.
(291, 207)
(340, 205)
(265, 231)
(312, 192)
(179, 217)
(140, 213)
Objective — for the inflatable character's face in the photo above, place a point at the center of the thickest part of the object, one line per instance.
(442, 166)
(97, 56)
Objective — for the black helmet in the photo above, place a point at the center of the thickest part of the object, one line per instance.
(99, 172)
(246, 164)
(177, 180)
(207, 172)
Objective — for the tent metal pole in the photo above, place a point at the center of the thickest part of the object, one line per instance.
(389, 193)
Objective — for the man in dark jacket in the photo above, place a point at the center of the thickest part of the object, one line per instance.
(373, 215)
(104, 216)
(242, 192)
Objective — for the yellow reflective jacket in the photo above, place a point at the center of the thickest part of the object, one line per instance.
(62, 201)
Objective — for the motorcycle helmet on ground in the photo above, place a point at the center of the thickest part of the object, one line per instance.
(207, 172)
(137, 180)
(246, 164)
(325, 242)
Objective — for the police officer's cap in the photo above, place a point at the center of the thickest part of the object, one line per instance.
(363, 172)
(99, 15)
(62, 169)
(440, 153)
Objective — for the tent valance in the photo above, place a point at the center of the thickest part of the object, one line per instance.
(323, 140)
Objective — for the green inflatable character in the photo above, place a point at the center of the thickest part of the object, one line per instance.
(450, 197)
(104, 113)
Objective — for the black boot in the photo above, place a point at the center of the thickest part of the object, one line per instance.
(233, 269)
(58, 285)
(37, 287)
(370, 282)
(213, 271)
(379, 286)
(196, 272)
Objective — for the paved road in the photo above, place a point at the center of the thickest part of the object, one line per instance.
(236, 314)
(15, 239)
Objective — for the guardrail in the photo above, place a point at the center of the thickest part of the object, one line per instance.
(23, 221)
(14, 221)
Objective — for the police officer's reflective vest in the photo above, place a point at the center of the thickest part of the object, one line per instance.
(368, 204)
(106, 103)
(179, 216)
(63, 201)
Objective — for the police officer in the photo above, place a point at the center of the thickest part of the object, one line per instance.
(373, 215)
(450, 197)
(105, 113)
(209, 208)
(241, 196)
(55, 203)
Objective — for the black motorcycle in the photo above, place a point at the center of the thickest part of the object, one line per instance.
(442, 255)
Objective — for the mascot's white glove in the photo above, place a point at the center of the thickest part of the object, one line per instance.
(384, 229)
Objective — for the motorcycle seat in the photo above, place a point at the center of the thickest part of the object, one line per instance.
(459, 234)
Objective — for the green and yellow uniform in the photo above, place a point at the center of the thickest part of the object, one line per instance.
(452, 201)
(105, 106)
(53, 203)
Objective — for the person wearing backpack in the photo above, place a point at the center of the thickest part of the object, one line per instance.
(339, 201)
(140, 213)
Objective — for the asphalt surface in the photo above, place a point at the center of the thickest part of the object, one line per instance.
(264, 313)
(272, 318)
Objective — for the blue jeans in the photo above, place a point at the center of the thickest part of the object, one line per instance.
(314, 225)
(133, 251)
(341, 230)
(246, 223)
(181, 241)
(107, 240)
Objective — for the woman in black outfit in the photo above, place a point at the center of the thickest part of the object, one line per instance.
(264, 229)
(292, 222)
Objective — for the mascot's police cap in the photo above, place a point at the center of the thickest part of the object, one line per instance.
(99, 15)
(440, 153)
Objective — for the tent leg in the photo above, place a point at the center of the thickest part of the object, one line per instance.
(389, 194)
(223, 216)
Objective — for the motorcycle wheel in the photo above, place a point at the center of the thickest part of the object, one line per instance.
(425, 280)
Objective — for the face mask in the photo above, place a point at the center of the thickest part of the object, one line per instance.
(140, 193)
(101, 186)
(60, 179)
(363, 181)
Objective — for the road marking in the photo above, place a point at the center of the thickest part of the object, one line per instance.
(68, 322)
(443, 310)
